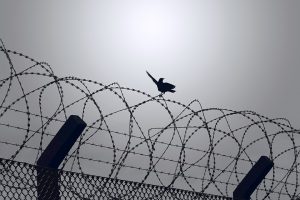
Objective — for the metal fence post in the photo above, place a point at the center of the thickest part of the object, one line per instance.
(51, 158)
(254, 177)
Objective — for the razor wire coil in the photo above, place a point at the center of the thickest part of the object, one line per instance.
(171, 143)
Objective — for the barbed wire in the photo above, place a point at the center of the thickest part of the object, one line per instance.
(134, 135)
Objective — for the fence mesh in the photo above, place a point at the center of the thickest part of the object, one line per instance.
(25, 181)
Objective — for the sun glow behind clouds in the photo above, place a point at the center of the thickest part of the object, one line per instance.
(152, 27)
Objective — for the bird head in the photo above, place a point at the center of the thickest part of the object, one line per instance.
(161, 80)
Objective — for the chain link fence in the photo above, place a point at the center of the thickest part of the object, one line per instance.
(20, 181)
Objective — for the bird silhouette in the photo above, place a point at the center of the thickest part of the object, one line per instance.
(161, 86)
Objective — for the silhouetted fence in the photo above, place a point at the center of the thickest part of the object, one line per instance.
(136, 136)
(18, 181)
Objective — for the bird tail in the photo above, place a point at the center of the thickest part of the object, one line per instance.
(153, 79)
(172, 91)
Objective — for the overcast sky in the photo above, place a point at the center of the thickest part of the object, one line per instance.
(233, 54)
(240, 55)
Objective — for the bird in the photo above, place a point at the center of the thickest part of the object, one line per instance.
(162, 86)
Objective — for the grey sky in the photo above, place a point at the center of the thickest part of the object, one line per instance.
(240, 55)
(233, 54)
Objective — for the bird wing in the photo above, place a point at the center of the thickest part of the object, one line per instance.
(153, 79)
(169, 85)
